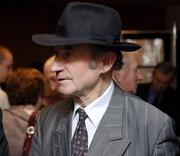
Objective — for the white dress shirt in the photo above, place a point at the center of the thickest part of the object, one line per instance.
(95, 112)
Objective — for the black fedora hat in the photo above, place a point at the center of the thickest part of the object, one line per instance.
(87, 23)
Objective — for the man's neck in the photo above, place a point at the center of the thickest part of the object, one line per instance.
(92, 95)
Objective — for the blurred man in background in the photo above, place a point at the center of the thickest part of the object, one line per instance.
(6, 63)
(128, 76)
(160, 93)
(51, 94)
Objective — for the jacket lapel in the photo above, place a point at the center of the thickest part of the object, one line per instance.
(62, 136)
(60, 141)
(108, 139)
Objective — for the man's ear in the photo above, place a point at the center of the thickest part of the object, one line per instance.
(108, 61)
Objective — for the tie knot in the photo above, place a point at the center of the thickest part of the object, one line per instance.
(82, 114)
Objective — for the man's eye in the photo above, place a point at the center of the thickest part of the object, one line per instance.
(65, 55)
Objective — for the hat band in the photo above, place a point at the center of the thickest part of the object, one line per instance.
(107, 39)
(96, 36)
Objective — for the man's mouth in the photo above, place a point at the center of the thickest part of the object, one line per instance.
(62, 79)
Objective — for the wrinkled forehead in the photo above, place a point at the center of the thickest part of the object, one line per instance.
(131, 59)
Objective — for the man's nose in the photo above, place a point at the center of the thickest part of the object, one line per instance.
(57, 65)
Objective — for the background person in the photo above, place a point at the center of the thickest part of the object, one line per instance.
(99, 119)
(128, 75)
(51, 77)
(51, 94)
(6, 63)
(160, 93)
(24, 88)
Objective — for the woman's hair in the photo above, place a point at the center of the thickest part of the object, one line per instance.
(24, 86)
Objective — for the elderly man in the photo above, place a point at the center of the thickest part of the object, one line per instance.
(51, 77)
(51, 95)
(128, 76)
(99, 119)
(6, 62)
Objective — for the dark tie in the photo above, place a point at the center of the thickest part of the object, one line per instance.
(79, 143)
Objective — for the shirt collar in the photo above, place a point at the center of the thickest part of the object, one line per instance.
(97, 108)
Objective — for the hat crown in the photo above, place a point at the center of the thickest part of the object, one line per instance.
(89, 21)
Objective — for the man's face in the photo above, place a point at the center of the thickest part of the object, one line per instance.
(73, 71)
(6, 68)
(53, 83)
(50, 76)
(161, 81)
(127, 77)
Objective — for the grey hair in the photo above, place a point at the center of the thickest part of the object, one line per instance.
(99, 51)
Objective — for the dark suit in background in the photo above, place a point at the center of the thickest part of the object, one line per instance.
(3, 141)
(167, 101)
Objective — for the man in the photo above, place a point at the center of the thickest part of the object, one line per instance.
(128, 76)
(3, 140)
(51, 95)
(6, 62)
(51, 77)
(99, 119)
(160, 93)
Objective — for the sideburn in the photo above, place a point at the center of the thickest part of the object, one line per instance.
(93, 64)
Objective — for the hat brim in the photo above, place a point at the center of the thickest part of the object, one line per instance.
(55, 40)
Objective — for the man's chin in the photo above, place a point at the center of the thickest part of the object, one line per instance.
(65, 92)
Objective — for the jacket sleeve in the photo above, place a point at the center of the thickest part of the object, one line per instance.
(167, 143)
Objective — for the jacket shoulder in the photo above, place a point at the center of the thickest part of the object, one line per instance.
(54, 111)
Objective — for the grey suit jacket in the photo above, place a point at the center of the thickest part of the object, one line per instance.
(130, 127)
